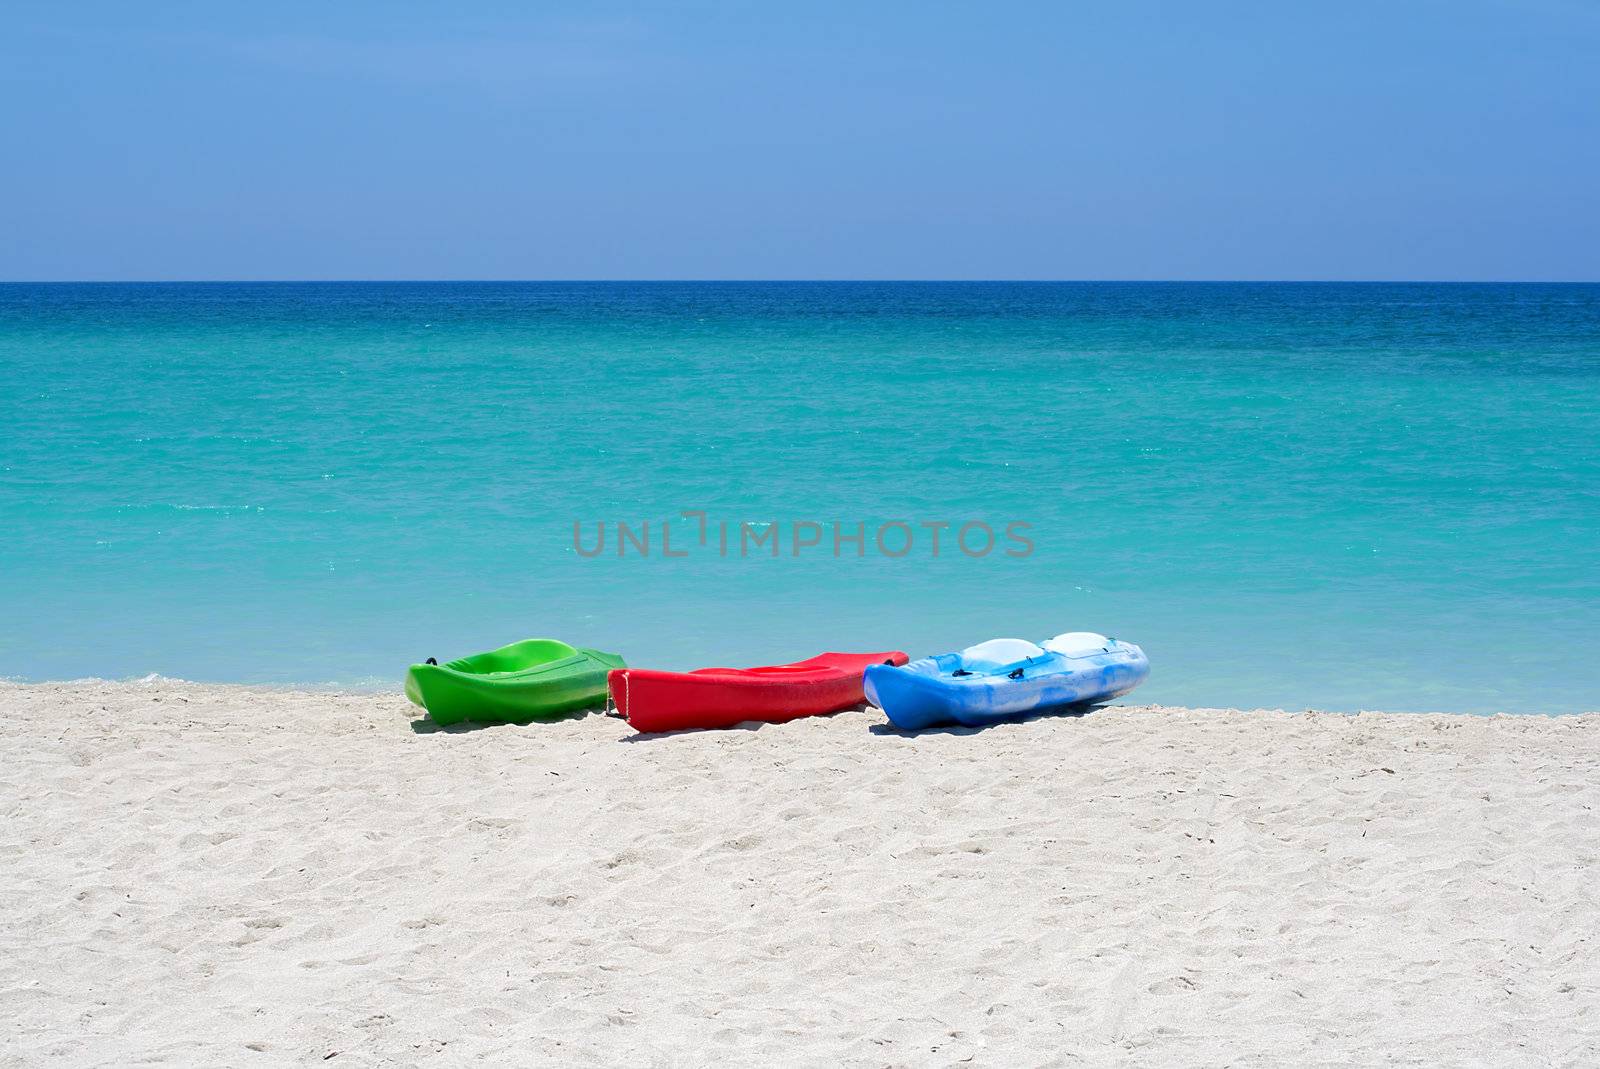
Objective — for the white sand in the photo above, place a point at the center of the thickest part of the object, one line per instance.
(206, 875)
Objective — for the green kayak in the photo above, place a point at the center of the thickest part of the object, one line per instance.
(535, 679)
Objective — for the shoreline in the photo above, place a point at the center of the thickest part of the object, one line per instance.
(393, 688)
(204, 872)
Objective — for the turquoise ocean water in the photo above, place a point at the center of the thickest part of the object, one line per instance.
(1337, 496)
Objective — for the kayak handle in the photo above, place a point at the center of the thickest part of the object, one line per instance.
(1013, 670)
(432, 661)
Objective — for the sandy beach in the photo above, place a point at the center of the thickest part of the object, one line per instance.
(214, 875)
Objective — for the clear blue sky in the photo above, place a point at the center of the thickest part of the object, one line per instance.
(1403, 139)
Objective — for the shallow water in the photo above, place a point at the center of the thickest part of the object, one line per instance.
(1339, 496)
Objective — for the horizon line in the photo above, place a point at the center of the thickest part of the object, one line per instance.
(804, 281)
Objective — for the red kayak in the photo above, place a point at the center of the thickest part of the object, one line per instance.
(723, 697)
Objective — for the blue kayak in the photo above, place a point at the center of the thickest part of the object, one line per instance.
(1005, 677)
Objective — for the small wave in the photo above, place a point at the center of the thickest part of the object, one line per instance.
(358, 684)
(365, 683)
(151, 680)
(130, 507)
(154, 679)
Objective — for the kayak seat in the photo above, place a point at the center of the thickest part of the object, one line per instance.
(1078, 644)
(998, 653)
